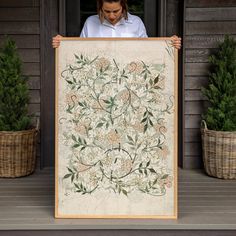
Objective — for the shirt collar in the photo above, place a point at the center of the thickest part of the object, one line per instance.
(122, 21)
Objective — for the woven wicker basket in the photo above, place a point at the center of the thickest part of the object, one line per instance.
(219, 152)
(17, 153)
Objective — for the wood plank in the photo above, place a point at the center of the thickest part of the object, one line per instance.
(218, 192)
(34, 82)
(218, 183)
(21, 3)
(207, 28)
(121, 232)
(34, 96)
(34, 110)
(206, 203)
(192, 121)
(202, 185)
(193, 108)
(192, 135)
(23, 41)
(40, 203)
(19, 27)
(202, 204)
(29, 55)
(194, 95)
(49, 13)
(193, 149)
(197, 69)
(195, 82)
(206, 190)
(192, 162)
(198, 55)
(203, 41)
(211, 14)
(210, 3)
(173, 19)
(31, 69)
(202, 210)
(19, 14)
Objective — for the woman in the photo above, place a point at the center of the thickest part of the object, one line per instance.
(113, 20)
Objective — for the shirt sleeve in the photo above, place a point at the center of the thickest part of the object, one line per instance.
(142, 30)
(84, 32)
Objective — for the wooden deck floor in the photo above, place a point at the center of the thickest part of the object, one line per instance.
(205, 203)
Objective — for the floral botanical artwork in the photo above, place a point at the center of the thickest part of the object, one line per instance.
(116, 129)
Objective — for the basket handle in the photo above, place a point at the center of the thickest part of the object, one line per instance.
(203, 124)
(37, 125)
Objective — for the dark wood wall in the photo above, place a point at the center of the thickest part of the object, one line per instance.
(20, 20)
(205, 24)
(32, 23)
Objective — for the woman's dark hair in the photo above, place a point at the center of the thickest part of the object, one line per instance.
(123, 4)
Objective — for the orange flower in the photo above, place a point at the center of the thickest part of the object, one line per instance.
(102, 63)
(135, 67)
(113, 137)
(163, 152)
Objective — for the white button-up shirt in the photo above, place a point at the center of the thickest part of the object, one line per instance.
(132, 27)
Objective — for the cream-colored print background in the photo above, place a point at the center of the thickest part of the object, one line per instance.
(115, 104)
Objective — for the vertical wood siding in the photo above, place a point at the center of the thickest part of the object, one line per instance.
(20, 20)
(205, 23)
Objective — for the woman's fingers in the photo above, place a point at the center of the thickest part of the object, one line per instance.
(176, 42)
(56, 41)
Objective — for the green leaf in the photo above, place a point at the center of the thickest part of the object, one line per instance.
(67, 176)
(69, 82)
(76, 57)
(106, 101)
(155, 181)
(150, 122)
(130, 138)
(71, 171)
(76, 145)
(73, 137)
(145, 172)
(124, 192)
(156, 80)
(152, 170)
(145, 76)
(157, 87)
(76, 185)
(81, 104)
(143, 120)
(145, 128)
(72, 178)
(99, 125)
(164, 176)
(150, 113)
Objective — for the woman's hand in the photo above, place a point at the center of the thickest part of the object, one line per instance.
(56, 41)
(176, 42)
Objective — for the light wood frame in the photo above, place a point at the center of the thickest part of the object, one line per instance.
(58, 177)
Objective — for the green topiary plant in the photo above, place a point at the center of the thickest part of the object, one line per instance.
(14, 92)
(221, 90)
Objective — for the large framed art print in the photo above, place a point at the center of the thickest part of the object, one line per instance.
(116, 128)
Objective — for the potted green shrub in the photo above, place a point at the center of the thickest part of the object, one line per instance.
(219, 121)
(17, 138)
